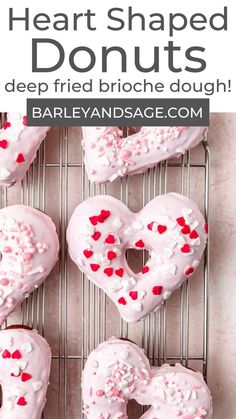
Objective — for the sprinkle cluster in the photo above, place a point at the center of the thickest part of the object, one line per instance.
(19, 372)
(10, 133)
(117, 151)
(180, 236)
(18, 247)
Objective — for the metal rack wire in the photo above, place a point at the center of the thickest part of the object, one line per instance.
(69, 310)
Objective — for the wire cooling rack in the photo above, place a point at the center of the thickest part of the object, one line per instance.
(69, 310)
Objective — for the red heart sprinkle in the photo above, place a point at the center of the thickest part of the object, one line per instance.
(181, 221)
(139, 244)
(16, 355)
(94, 267)
(110, 239)
(119, 272)
(189, 271)
(21, 401)
(150, 226)
(157, 290)
(185, 248)
(193, 234)
(96, 235)
(133, 295)
(145, 269)
(3, 144)
(111, 255)
(7, 125)
(103, 216)
(25, 376)
(186, 229)
(6, 354)
(20, 158)
(206, 228)
(88, 253)
(25, 120)
(108, 271)
(122, 301)
(161, 229)
(93, 220)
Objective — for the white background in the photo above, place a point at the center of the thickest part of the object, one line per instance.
(17, 55)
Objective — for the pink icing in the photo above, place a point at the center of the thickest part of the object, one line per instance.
(28, 250)
(123, 373)
(170, 227)
(18, 147)
(108, 155)
(25, 360)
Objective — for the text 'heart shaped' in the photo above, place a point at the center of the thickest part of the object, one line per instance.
(170, 227)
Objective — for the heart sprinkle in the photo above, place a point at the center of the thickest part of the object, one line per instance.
(25, 377)
(16, 355)
(145, 269)
(122, 301)
(21, 401)
(94, 267)
(6, 354)
(140, 244)
(3, 144)
(20, 158)
(189, 271)
(181, 221)
(161, 229)
(110, 239)
(88, 253)
(111, 255)
(108, 271)
(96, 235)
(119, 272)
(185, 248)
(133, 295)
(157, 290)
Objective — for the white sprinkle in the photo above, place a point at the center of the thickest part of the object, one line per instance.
(137, 306)
(18, 391)
(166, 295)
(129, 231)
(22, 364)
(37, 385)
(137, 225)
(87, 230)
(168, 252)
(117, 223)
(27, 347)
(4, 173)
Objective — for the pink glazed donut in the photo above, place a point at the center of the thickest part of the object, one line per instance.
(119, 371)
(170, 227)
(25, 360)
(28, 251)
(18, 147)
(109, 155)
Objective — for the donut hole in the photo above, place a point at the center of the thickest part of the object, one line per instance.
(129, 130)
(136, 259)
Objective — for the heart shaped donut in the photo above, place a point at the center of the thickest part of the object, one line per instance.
(170, 227)
(109, 155)
(119, 371)
(18, 147)
(25, 360)
(28, 251)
